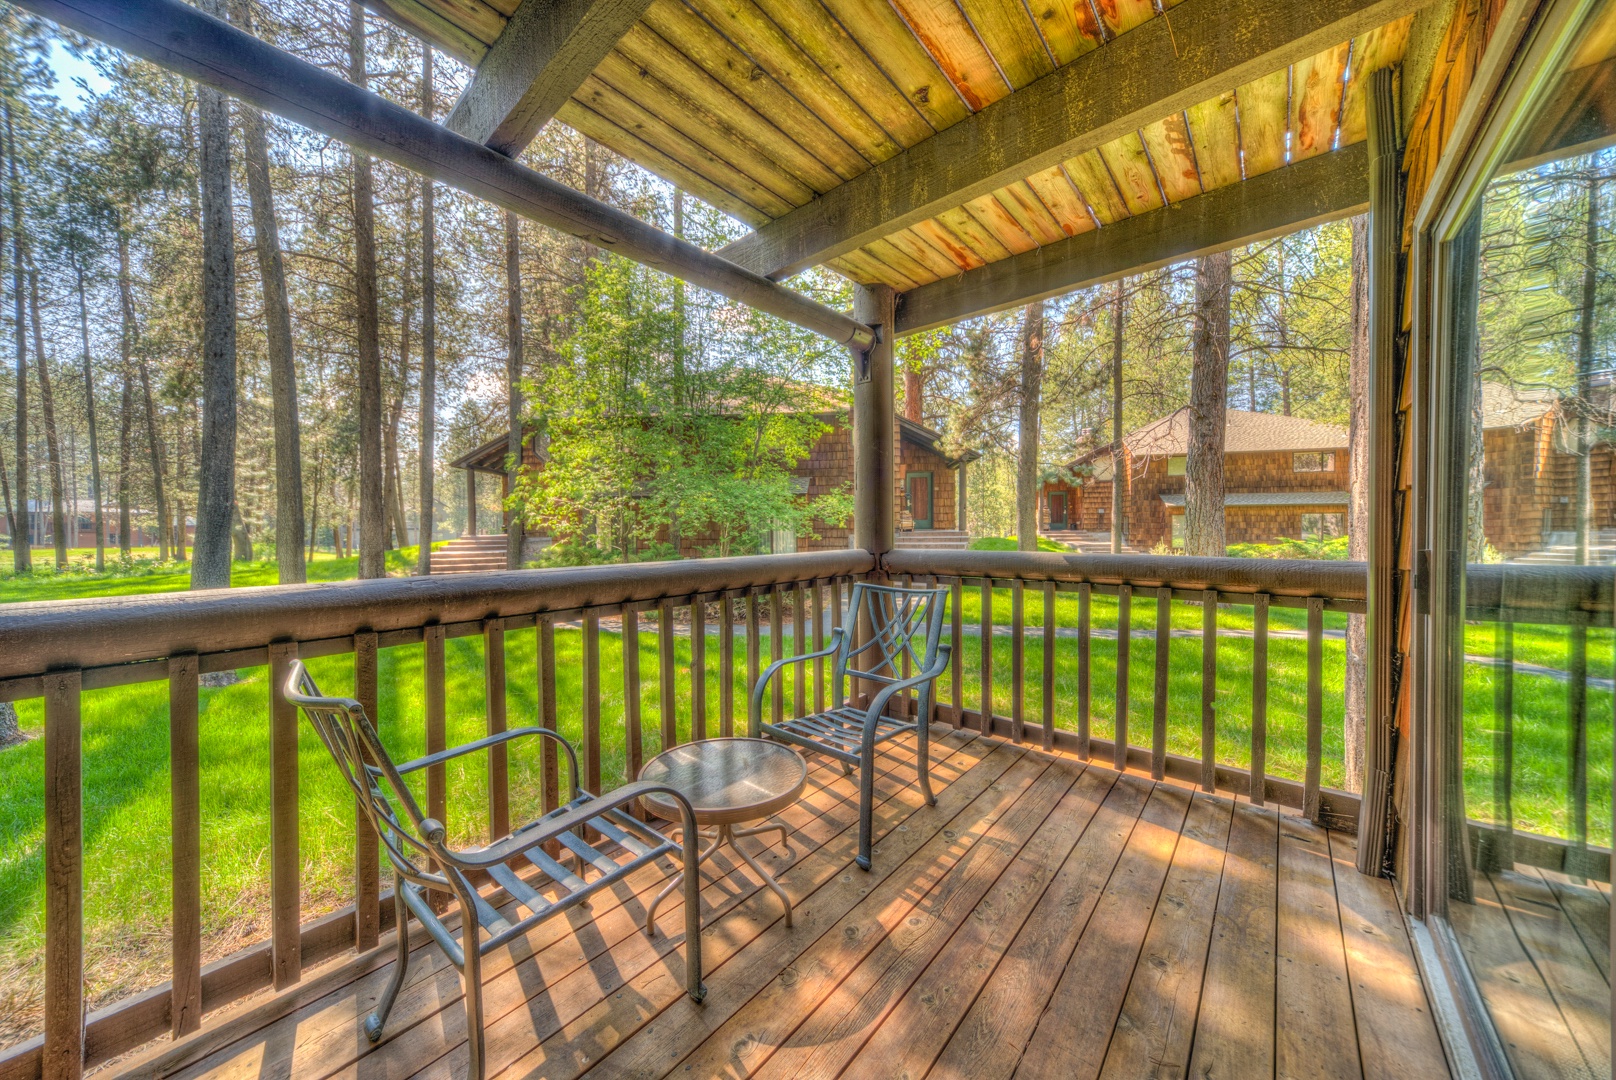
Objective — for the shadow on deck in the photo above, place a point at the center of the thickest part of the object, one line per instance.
(1046, 919)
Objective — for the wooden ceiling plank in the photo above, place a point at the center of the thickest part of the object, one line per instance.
(1316, 85)
(1063, 201)
(866, 268)
(1173, 154)
(944, 240)
(587, 122)
(918, 248)
(1161, 67)
(1069, 27)
(430, 25)
(1215, 129)
(732, 69)
(1264, 117)
(542, 56)
(648, 49)
(1093, 181)
(1323, 188)
(894, 256)
(904, 58)
(1011, 36)
(960, 55)
(1130, 168)
(1381, 47)
(633, 117)
(1120, 16)
(807, 23)
(692, 120)
(476, 16)
(973, 234)
(755, 33)
(992, 215)
(1021, 202)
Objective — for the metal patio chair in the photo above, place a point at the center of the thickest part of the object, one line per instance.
(414, 841)
(898, 617)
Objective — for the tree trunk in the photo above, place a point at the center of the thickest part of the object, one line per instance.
(216, 472)
(1354, 727)
(1032, 389)
(372, 524)
(1585, 368)
(513, 378)
(154, 444)
(1209, 408)
(22, 560)
(1119, 458)
(10, 733)
(314, 507)
(176, 529)
(282, 364)
(96, 494)
(241, 537)
(126, 350)
(429, 338)
(53, 443)
(5, 494)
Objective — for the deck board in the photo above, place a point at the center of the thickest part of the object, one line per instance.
(1047, 918)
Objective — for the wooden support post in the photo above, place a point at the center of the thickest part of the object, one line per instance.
(1049, 665)
(64, 878)
(986, 649)
(1018, 661)
(185, 997)
(698, 668)
(499, 774)
(1315, 708)
(635, 748)
(285, 901)
(437, 738)
(1259, 698)
(471, 502)
(1164, 644)
(956, 662)
(874, 423)
(1209, 689)
(549, 756)
(367, 855)
(666, 688)
(1119, 752)
(799, 646)
(777, 646)
(591, 662)
(1083, 684)
(726, 666)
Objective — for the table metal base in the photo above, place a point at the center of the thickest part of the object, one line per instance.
(716, 838)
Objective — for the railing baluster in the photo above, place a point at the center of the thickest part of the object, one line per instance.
(634, 748)
(367, 854)
(665, 674)
(1050, 623)
(549, 756)
(1259, 698)
(956, 598)
(437, 738)
(1018, 660)
(907, 697)
(499, 775)
(1315, 707)
(1209, 690)
(286, 946)
(1504, 746)
(1577, 711)
(184, 758)
(799, 642)
(698, 668)
(64, 877)
(819, 643)
(1164, 644)
(1119, 755)
(1083, 591)
(726, 666)
(752, 645)
(986, 650)
(591, 696)
(777, 646)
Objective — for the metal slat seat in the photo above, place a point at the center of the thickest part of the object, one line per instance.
(424, 863)
(901, 628)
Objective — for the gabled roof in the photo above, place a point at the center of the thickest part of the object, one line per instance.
(1505, 406)
(1245, 433)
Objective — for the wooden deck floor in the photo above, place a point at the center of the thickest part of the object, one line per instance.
(1045, 919)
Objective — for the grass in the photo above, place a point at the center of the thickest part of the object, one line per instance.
(126, 769)
(1008, 543)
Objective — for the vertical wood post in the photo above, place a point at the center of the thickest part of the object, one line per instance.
(698, 668)
(1049, 665)
(1259, 698)
(499, 790)
(1084, 589)
(666, 688)
(1164, 645)
(367, 856)
(777, 648)
(1018, 662)
(726, 666)
(64, 878)
(1315, 708)
(471, 502)
(956, 664)
(1119, 757)
(549, 756)
(874, 422)
(635, 748)
(959, 504)
(1209, 689)
(437, 737)
(185, 1014)
(286, 946)
(591, 695)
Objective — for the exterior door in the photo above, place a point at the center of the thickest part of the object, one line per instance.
(920, 499)
(1057, 510)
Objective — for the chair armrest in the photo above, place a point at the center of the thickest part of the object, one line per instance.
(494, 740)
(551, 827)
(873, 714)
(756, 713)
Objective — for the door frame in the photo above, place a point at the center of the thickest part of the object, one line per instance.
(930, 520)
(1065, 520)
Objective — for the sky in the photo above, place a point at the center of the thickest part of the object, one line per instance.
(68, 67)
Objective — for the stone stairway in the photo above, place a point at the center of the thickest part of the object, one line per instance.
(470, 555)
(933, 540)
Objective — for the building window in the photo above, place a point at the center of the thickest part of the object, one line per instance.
(1313, 461)
(1175, 465)
(1323, 526)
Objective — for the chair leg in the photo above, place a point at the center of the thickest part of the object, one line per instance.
(923, 763)
(472, 978)
(374, 1022)
(866, 802)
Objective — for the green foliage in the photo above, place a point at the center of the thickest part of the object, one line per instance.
(1289, 548)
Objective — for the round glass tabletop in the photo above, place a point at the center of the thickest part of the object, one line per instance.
(726, 780)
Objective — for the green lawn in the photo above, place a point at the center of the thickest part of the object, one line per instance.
(126, 782)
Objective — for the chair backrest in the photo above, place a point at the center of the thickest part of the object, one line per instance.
(902, 623)
(348, 734)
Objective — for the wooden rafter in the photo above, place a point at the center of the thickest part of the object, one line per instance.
(546, 51)
(1199, 50)
(1319, 189)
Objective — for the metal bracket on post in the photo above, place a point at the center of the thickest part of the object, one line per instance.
(864, 370)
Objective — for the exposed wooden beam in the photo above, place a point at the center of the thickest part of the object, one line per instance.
(1323, 188)
(547, 50)
(1199, 49)
(177, 36)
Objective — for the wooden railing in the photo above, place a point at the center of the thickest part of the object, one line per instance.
(57, 651)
